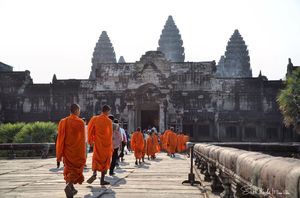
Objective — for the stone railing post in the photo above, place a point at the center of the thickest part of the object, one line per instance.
(225, 180)
(236, 188)
(216, 185)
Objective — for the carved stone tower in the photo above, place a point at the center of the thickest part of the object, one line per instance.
(170, 42)
(103, 53)
(236, 62)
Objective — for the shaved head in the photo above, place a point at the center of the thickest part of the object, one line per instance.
(75, 109)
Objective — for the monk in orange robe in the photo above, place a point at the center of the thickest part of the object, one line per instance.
(70, 147)
(185, 138)
(161, 138)
(166, 139)
(179, 143)
(172, 143)
(152, 145)
(100, 134)
(137, 145)
(157, 146)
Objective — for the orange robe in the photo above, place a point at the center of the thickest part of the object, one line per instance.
(185, 138)
(71, 147)
(100, 134)
(161, 142)
(172, 142)
(179, 143)
(157, 147)
(137, 144)
(166, 140)
(151, 146)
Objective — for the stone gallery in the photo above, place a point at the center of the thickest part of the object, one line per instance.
(209, 101)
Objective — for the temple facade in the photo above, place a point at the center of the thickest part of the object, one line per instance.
(209, 102)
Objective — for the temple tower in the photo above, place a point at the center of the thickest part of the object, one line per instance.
(236, 62)
(170, 42)
(103, 53)
(121, 60)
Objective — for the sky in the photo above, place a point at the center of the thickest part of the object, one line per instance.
(58, 37)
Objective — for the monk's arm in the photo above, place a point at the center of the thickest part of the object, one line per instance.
(91, 131)
(132, 142)
(60, 140)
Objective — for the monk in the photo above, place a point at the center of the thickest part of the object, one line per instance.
(166, 139)
(100, 130)
(137, 145)
(179, 143)
(157, 146)
(172, 143)
(161, 138)
(70, 147)
(185, 138)
(151, 145)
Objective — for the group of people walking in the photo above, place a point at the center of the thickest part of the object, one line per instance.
(108, 140)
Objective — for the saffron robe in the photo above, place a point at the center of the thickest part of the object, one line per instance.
(137, 144)
(70, 147)
(172, 142)
(100, 134)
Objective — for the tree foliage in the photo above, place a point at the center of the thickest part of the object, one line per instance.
(289, 101)
(37, 132)
(8, 131)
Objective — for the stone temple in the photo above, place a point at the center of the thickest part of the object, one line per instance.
(222, 102)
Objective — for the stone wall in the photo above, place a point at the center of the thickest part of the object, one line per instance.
(188, 95)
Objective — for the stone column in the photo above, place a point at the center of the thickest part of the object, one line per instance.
(131, 118)
(161, 117)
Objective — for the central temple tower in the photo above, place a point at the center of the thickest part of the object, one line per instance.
(170, 42)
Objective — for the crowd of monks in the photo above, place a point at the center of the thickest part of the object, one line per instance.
(71, 146)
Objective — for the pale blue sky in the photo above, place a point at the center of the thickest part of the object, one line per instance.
(59, 36)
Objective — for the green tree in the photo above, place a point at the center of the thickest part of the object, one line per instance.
(289, 101)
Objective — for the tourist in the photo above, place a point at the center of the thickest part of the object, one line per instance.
(117, 139)
(100, 134)
(137, 145)
(124, 142)
(71, 147)
(128, 141)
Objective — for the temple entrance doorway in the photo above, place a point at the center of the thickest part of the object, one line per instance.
(149, 118)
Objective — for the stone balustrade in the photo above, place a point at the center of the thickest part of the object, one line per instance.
(240, 173)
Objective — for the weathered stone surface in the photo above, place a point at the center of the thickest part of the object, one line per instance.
(253, 172)
(159, 178)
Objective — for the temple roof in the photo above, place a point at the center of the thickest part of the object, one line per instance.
(5, 67)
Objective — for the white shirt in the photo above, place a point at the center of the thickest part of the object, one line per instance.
(123, 134)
